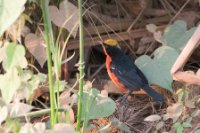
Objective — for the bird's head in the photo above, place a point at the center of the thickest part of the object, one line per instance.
(110, 45)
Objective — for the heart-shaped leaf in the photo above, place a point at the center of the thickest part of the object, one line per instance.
(9, 12)
(14, 57)
(19, 109)
(157, 70)
(96, 106)
(177, 35)
(35, 46)
(9, 83)
(66, 16)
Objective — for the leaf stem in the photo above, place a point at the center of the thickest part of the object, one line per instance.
(49, 42)
(81, 66)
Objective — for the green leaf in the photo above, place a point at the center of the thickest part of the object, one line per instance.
(197, 131)
(178, 127)
(96, 106)
(9, 83)
(177, 35)
(187, 123)
(9, 12)
(157, 70)
(14, 57)
(61, 85)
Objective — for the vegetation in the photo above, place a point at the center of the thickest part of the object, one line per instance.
(40, 31)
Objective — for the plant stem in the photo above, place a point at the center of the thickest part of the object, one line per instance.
(39, 113)
(81, 65)
(49, 42)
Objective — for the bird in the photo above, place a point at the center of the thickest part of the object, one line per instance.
(125, 74)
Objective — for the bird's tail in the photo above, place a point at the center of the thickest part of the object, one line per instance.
(155, 95)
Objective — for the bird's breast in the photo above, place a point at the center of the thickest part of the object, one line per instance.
(112, 75)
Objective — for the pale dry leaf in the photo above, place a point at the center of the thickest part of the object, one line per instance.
(104, 93)
(157, 36)
(31, 128)
(198, 72)
(152, 118)
(111, 87)
(25, 31)
(151, 28)
(65, 98)
(190, 104)
(66, 16)
(40, 126)
(88, 85)
(62, 128)
(18, 109)
(4, 114)
(69, 115)
(174, 112)
(2, 53)
(144, 45)
(160, 125)
(35, 45)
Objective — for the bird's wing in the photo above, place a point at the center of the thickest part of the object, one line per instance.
(128, 73)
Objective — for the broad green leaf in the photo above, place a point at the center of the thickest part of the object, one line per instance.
(9, 83)
(157, 70)
(14, 57)
(60, 84)
(96, 106)
(177, 35)
(187, 123)
(179, 127)
(9, 12)
(31, 84)
(197, 131)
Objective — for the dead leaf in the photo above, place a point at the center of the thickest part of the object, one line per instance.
(152, 118)
(31, 128)
(104, 93)
(35, 45)
(62, 128)
(151, 28)
(4, 114)
(18, 109)
(65, 100)
(157, 36)
(198, 72)
(174, 112)
(67, 116)
(190, 104)
(66, 16)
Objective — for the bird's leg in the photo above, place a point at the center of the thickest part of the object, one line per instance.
(124, 98)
